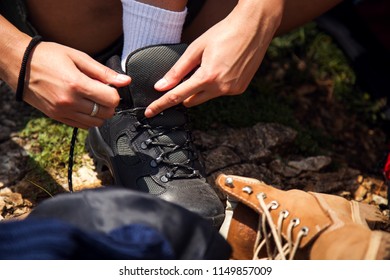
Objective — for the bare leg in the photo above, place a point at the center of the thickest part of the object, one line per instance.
(299, 12)
(177, 5)
(211, 13)
(87, 25)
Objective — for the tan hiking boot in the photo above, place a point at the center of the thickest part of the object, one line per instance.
(263, 222)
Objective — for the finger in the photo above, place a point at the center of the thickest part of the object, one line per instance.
(173, 97)
(87, 120)
(86, 106)
(102, 111)
(189, 61)
(100, 72)
(199, 98)
(96, 79)
(98, 92)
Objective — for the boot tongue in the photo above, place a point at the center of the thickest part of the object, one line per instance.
(147, 66)
(114, 63)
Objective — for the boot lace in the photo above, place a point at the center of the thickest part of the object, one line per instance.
(70, 159)
(187, 171)
(156, 131)
(269, 235)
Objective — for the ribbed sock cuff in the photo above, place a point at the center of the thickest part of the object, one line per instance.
(146, 25)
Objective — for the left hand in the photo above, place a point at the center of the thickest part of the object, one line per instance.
(225, 58)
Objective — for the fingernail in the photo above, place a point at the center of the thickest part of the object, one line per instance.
(161, 83)
(122, 78)
(148, 112)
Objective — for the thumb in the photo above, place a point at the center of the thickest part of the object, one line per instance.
(186, 63)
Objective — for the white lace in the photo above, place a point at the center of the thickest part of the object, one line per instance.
(267, 231)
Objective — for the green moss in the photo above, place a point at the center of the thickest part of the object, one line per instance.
(50, 143)
(257, 104)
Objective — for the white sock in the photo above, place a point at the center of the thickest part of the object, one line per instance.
(145, 25)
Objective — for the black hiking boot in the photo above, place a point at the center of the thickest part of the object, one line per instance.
(153, 155)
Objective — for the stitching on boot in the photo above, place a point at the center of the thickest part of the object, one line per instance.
(337, 223)
(356, 215)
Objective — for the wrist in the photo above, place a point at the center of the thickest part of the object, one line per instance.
(13, 44)
(23, 69)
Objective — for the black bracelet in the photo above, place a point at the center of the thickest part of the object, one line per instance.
(22, 74)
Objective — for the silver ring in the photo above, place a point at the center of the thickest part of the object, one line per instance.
(95, 110)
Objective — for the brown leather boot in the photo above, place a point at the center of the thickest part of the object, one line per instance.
(263, 222)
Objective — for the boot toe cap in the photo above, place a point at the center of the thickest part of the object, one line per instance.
(200, 199)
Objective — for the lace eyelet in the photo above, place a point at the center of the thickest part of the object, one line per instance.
(158, 159)
(262, 195)
(229, 182)
(164, 179)
(305, 231)
(145, 144)
(247, 189)
(274, 205)
(295, 221)
(284, 213)
(136, 125)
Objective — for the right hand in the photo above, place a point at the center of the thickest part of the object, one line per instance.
(64, 84)
(223, 60)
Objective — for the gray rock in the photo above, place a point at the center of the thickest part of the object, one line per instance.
(4, 133)
(219, 158)
(281, 168)
(272, 135)
(310, 163)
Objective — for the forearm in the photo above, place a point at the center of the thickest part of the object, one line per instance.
(299, 12)
(286, 14)
(12, 47)
(259, 18)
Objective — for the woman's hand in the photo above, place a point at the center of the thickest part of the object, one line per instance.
(65, 83)
(224, 59)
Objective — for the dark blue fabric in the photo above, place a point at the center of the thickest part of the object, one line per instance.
(109, 210)
(48, 239)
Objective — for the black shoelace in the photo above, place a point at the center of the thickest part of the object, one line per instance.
(189, 171)
(70, 160)
(158, 131)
